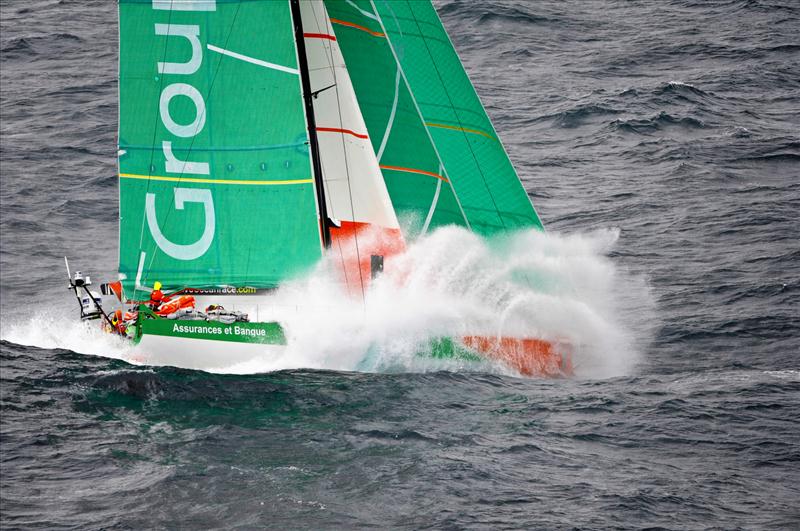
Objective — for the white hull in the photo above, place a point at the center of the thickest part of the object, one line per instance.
(201, 354)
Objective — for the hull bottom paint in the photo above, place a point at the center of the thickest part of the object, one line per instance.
(529, 356)
(536, 358)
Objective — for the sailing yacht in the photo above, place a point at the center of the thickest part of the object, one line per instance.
(257, 137)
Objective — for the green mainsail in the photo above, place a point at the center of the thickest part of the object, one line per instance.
(216, 183)
(439, 117)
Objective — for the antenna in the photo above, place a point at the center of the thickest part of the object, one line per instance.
(69, 275)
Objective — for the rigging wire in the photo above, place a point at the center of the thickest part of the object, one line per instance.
(153, 142)
(197, 128)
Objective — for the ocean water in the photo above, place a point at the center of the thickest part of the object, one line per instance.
(660, 143)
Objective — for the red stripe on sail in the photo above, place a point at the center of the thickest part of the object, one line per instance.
(319, 36)
(345, 131)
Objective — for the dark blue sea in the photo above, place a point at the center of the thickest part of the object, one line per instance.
(660, 143)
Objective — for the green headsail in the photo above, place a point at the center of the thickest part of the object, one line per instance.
(485, 182)
(420, 190)
(215, 179)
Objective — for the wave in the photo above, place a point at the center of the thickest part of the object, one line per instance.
(656, 123)
(29, 45)
(580, 115)
(680, 88)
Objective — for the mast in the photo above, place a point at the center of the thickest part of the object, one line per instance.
(313, 142)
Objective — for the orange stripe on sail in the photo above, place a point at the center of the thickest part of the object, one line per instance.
(345, 131)
(464, 129)
(356, 26)
(319, 36)
(413, 170)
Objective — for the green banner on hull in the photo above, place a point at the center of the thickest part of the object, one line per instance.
(215, 178)
(266, 333)
(484, 180)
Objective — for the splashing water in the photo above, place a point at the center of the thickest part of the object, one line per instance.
(55, 328)
(450, 283)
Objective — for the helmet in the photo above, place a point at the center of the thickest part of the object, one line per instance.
(157, 285)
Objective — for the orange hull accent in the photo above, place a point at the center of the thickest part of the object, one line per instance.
(531, 357)
(355, 243)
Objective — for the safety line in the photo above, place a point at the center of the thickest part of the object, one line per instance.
(211, 181)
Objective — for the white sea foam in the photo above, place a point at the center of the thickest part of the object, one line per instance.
(448, 284)
(58, 328)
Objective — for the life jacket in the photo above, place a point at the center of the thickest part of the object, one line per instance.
(120, 323)
(184, 301)
(157, 296)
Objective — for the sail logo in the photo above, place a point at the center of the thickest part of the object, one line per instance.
(190, 33)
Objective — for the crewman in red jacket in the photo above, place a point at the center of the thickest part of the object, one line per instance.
(157, 297)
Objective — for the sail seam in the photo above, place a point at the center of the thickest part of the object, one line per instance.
(212, 181)
(362, 11)
(390, 122)
(252, 60)
(433, 207)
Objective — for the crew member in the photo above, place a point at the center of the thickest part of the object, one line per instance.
(157, 296)
(119, 324)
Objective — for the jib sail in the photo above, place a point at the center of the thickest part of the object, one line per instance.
(442, 98)
(418, 185)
